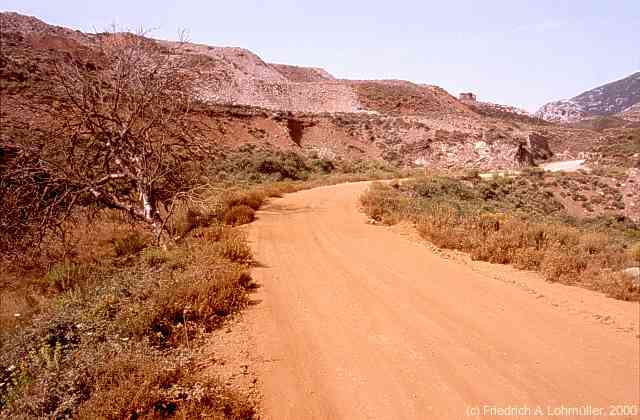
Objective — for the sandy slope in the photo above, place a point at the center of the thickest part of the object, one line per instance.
(356, 321)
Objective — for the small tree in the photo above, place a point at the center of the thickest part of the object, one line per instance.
(121, 126)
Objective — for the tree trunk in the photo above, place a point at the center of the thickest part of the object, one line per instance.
(150, 210)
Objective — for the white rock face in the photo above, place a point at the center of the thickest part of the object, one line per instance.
(506, 108)
(564, 111)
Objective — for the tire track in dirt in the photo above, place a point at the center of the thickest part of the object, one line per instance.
(356, 321)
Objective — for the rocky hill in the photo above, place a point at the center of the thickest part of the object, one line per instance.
(608, 99)
(250, 101)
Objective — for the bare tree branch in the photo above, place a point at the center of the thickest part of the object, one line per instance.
(122, 128)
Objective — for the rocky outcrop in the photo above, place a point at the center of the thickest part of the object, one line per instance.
(535, 148)
(523, 157)
(565, 111)
(538, 146)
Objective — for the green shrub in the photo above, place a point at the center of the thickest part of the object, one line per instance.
(324, 166)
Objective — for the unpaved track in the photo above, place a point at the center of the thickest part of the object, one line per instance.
(354, 321)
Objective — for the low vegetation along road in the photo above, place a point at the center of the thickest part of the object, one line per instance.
(357, 321)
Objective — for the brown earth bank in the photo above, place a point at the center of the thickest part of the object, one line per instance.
(356, 321)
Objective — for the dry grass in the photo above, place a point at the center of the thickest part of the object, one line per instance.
(561, 252)
(115, 333)
(234, 247)
(200, 297)
(119, 321)
(69, 275)
(154, 256)
(239, 214)
(131, 244)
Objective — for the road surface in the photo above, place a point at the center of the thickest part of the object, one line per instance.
(564, 166)
(355, 321)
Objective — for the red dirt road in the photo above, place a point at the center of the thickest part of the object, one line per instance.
(355, 321)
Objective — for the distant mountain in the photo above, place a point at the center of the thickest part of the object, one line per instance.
(608, 99)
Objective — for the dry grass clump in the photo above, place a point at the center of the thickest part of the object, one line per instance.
(634, 253)
(136, 383)
(68, 275)
(252, 199)
(154, 256)
(202, 297)
(234, 247)
(239, 214)
(192, 211)
(130, 244)
(561, 252)
(385, 204)
(134, 386)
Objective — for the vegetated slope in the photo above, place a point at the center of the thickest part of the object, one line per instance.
(505, 112)
(607, 99)
(247, 100)
(398, 97)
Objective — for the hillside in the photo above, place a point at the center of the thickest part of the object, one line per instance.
(632, 113)
(246, 99)
(608, 99)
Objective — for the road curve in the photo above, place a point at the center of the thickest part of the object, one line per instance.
(354, 321)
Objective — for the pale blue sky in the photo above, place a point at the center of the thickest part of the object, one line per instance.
(522, 53)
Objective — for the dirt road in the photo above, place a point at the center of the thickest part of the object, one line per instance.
(564, 166)
(355, 321)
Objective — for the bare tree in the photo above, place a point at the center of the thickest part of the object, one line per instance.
(121, 126)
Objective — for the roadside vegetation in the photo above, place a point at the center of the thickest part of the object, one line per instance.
(106, 321)
(121, 238)
(514, 221)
